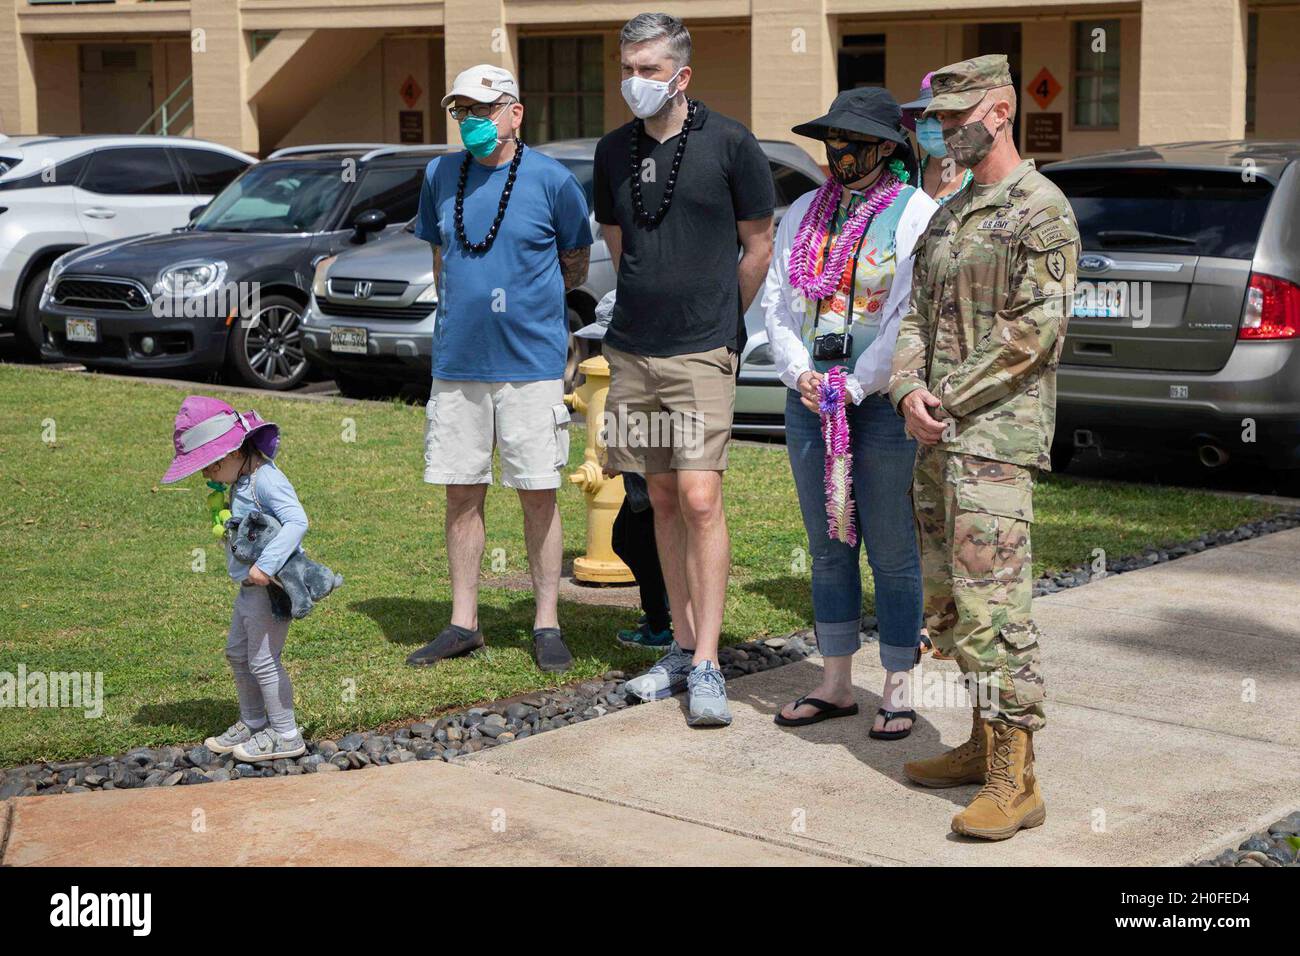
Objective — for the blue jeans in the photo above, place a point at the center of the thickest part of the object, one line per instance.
(883, 460)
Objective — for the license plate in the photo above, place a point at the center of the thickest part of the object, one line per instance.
(1107, 301)
(346, 339)
(82, 330)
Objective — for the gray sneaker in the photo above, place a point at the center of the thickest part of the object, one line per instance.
(666, 677)
(269, 745)
(236, 734)
(708, 697)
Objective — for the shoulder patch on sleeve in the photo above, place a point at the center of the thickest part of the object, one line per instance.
(1050, 233)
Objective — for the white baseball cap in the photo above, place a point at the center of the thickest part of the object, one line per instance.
(484, 83)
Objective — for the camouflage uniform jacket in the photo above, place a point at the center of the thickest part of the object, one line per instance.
(991, 282)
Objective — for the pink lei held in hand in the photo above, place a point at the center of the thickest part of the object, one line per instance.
(839, 459)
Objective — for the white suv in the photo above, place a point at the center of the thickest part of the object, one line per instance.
(61, 192)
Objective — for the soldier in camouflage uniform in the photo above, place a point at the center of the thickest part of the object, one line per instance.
(974, 375)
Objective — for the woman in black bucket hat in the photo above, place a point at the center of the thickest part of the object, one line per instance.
(837, 288)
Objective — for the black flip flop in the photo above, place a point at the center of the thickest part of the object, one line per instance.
(893, 715)
(825, 711)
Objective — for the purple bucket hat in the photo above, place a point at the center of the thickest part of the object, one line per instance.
(913, 109)
(207, 429)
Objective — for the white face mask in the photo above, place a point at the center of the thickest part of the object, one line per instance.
(647, 97)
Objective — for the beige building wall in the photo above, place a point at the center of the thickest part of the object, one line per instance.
(1193, 70)
(767, 63)
(58, 87)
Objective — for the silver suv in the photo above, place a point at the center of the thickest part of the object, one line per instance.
(61, 192)
(1185, 331)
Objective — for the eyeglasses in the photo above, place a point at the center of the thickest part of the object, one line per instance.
(481, 110)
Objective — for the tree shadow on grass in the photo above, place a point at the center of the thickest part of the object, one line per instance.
(196, 713)
(588, 629)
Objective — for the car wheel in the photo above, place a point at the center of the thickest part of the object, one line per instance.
(579, 349)
(360, 386)
(30, 331)
(265, 349)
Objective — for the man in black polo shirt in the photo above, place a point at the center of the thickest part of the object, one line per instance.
(685, 196)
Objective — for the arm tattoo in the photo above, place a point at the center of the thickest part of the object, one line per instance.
(573, 263)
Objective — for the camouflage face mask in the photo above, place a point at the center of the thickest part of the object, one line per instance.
(971, 142)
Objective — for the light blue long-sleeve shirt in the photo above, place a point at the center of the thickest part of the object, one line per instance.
(280, 501)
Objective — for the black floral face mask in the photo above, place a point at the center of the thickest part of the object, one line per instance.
(854, 160)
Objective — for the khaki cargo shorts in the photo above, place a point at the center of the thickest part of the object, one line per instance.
(670, 414)
(527, 422)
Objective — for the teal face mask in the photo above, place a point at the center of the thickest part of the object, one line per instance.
(479, 134)
(930, 135)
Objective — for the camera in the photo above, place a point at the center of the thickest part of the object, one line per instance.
(832, 345)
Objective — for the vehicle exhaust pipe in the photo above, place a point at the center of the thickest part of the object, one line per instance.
(1211, 456)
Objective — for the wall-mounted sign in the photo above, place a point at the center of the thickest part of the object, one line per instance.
(410, 126)
(1043, 88)
(1043, 132)
(410, 92)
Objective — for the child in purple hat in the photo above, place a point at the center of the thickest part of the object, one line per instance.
(237, 450)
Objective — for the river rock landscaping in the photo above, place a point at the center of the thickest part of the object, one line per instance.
(444, 738)
(1279, 845)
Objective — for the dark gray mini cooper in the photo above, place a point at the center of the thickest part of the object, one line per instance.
(228, 291)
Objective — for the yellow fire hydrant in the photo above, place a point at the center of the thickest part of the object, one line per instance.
(600, 565)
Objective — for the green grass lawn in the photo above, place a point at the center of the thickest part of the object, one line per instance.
(97, 562)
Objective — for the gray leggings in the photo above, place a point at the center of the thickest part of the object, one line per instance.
(253, 649)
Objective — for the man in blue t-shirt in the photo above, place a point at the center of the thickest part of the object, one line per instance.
(510, 235)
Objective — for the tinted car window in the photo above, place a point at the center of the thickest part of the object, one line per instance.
(276, 197)
(211, 171)
(64, 174)
(130, 171)
(394, 189)
(790, 183)
(1180, 211)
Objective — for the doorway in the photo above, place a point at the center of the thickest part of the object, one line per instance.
(984, 38)
(116, 87)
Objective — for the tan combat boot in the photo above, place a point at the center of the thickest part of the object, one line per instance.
(1010, 798)
(952, 768)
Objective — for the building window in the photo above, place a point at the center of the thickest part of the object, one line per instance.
(861, 60)
(1096, 74)
(562, 82)
(1252, 60)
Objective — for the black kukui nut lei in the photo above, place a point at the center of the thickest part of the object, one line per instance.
(491, 237)
(642, 217)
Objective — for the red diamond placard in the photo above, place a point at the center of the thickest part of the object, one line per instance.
(410, 92)
(1043, 88)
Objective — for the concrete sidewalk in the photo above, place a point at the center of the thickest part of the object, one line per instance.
(1174, 726)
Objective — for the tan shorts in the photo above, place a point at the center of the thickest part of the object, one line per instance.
(528, 423)
(670, 414)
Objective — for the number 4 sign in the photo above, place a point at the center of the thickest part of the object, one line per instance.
(1043, 88)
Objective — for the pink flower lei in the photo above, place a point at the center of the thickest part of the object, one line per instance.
(839, 459)
(811, 237)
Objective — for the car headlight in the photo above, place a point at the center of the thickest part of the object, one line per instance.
(190, 279)
(56, 270)
(430, 294)
(318, 280)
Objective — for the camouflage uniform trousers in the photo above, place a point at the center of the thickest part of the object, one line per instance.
(973, 517)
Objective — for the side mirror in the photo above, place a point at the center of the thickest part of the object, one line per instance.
(197, 211)
(372, 220)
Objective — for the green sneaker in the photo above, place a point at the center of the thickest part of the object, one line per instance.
(642, 636)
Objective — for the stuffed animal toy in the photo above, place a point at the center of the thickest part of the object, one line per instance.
(302, 581)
